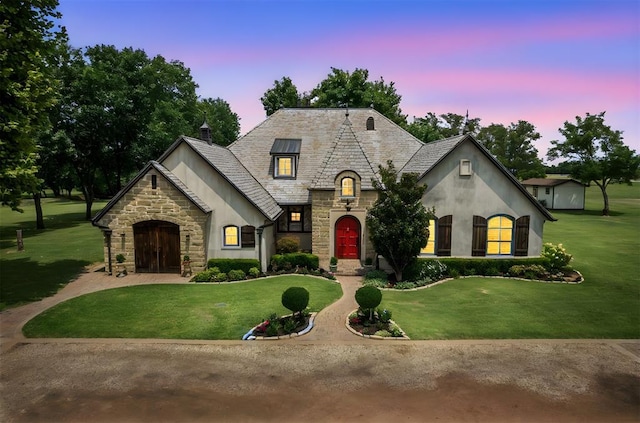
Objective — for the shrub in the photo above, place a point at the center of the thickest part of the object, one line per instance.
(485, 266)
(295, 298)
(203, 276)
(557, 255)
(219, 277)
(532, 271)
(287, 245)
(289, 326)
(405, 285)
(292, 260)
(376, 274)
(368, 298)
(236, 275)
(226, 265)
(333, 261)
(120, 258)
(425, 269)
(254, 272)
(378, 283)
(272, 328)
(384, 315)
(383, 333)
(395, 330)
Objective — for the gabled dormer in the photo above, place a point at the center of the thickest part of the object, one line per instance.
(285, 153)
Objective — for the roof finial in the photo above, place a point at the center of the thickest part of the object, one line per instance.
(346, 114)
(464, 124)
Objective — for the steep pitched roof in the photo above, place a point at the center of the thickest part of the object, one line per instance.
(548, 182)
(170, 177)
(321, 131)
(345, 154)
(230, 168)
(433, 153)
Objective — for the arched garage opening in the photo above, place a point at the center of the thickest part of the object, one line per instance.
(157, 247)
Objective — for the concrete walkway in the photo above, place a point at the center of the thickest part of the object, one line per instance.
(329, 323)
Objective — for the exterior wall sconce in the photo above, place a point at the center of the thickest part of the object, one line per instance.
(348, 206)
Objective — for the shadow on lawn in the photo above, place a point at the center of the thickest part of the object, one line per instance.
(51, 223)
(25, 280)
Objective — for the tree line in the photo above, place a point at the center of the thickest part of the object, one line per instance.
(90, 118)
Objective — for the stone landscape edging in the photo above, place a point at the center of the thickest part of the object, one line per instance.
(483, 276)
(404, 336)
(250, 337)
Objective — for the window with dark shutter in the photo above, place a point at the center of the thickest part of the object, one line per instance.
(444, 236)
(479, 241)
(522, 236)
(248, 236)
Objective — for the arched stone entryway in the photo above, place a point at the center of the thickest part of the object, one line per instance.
(347, 238)
(157, 247)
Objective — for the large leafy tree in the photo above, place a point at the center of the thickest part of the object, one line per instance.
(398, 222)
(283, 94)
(29, 40)
(339, 89)
(353, 89)
(434, 127)
(224, 123)
(513, 147)
(118, 110)
(596, 153)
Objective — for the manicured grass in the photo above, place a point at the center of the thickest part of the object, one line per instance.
(51, 257)
(194, 311)
(606, 251)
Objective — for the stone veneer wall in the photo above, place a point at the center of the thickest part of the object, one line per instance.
(328, 206)
(166, 203)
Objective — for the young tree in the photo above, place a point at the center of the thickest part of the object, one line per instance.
(28, 46)
(398, 222)
(283, 94)
(596, 154)
(513, 147)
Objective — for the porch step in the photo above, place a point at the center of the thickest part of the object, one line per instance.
(348, 267)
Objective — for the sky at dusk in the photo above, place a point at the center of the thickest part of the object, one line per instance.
(540, 61)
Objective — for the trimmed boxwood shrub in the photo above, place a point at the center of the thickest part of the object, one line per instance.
(236, 275)
(287, 245)
(295, 298)
(226, 265)
(471, 266)
(289, 261)
(368, 298)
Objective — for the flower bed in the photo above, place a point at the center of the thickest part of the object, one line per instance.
(281, 327)
(380, 326)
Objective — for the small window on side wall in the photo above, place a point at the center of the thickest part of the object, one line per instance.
(370, 124)
(347, 187)
(230, 236)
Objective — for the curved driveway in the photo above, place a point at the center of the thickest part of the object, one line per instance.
(325, 376)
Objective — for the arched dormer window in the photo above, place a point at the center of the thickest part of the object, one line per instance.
(370, 124)
(347, 187)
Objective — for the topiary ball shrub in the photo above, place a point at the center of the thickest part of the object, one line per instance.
(368, 298)
(295, 298)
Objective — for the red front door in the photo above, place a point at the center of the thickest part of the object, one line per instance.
(348, 238)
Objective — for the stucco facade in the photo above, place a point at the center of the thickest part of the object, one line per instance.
(308, 174)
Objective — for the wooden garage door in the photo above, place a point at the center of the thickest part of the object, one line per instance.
(157, 246)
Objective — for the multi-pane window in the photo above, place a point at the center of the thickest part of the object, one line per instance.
(295, 219)
(231, 237)
(347, 188)
(499, 235)
(284, 166)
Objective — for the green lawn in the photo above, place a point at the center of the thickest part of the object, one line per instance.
(52, 257)
(194, 311)
(606, 251)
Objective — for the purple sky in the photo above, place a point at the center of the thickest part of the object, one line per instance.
(541, 61)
